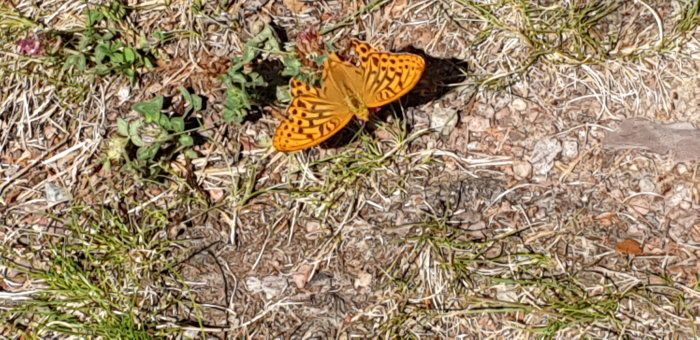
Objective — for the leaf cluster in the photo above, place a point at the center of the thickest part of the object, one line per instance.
(102, 49)
(241, 81)
(156, 132)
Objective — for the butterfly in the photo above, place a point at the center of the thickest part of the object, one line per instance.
(348, 90)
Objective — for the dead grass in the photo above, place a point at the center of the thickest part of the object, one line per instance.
(489, 211)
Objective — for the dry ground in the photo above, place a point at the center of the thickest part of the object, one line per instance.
(482, 205)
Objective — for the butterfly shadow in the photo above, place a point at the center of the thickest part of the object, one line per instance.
(437, 80)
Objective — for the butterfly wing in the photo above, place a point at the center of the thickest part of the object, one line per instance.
(315, 114)
(387, 76)
(363, 50)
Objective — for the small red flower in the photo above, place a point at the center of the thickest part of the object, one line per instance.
(31, 45)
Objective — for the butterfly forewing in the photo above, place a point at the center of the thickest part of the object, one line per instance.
(363, 50)
(314, 114)
(388, 76)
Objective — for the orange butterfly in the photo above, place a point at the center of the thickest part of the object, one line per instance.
(317, 113)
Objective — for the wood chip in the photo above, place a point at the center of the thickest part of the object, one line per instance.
(628, 246)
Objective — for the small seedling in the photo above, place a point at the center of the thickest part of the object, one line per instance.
(154, 133)
(101, 51)
(241, 81)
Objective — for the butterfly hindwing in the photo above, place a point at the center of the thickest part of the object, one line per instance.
(312, 118)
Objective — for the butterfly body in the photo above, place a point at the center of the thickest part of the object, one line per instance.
(317, 113)
(357, 106)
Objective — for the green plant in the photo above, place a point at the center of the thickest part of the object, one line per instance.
(241, 81)
(153, 133)
(103, 51)
(92, 280)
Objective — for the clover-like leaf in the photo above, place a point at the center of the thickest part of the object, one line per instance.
(282, 94)
(134, 133)
(186, 140)
(102, 69)
(122, 127)
(147, 153)
(94, 17)
(195, 101)
(238, 78)
(150, 109)
(185, 93)
(130, 54)
(189, 153)
(117, 58)
(177, 124)
(165, 122)
(101, 51)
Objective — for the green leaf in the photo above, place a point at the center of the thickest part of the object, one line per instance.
(102, 69)
(292, 66)
(94, 17)
(191, 154)
(147, 61)
(117, 58)
(228, 115)
(80, 62)
(134, 135)
(130, 73)
(255, 80)
(283, 94)
(236, 115)
(238, 78)
(249, 54)
(147, 153)
(101, 51)
(196, 102)
(160, 36)
(177, 124)
(143, 42)
(237, 64)
(272, 45)
(165, 123)
(117, 45)
(85, 41)
(150, 109)
(152, 117)
(186, 94)
(130, 55)
(122, 127)
(186, 140)
(70, 61)
(136, 139)
(107, 37)
(116, 11)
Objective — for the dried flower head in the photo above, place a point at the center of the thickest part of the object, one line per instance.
(309, 45)
(31, 45)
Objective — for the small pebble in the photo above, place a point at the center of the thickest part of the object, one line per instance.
(522, 169)
(519, 104)
(681, 169)
(646, 184)
(570, 149)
